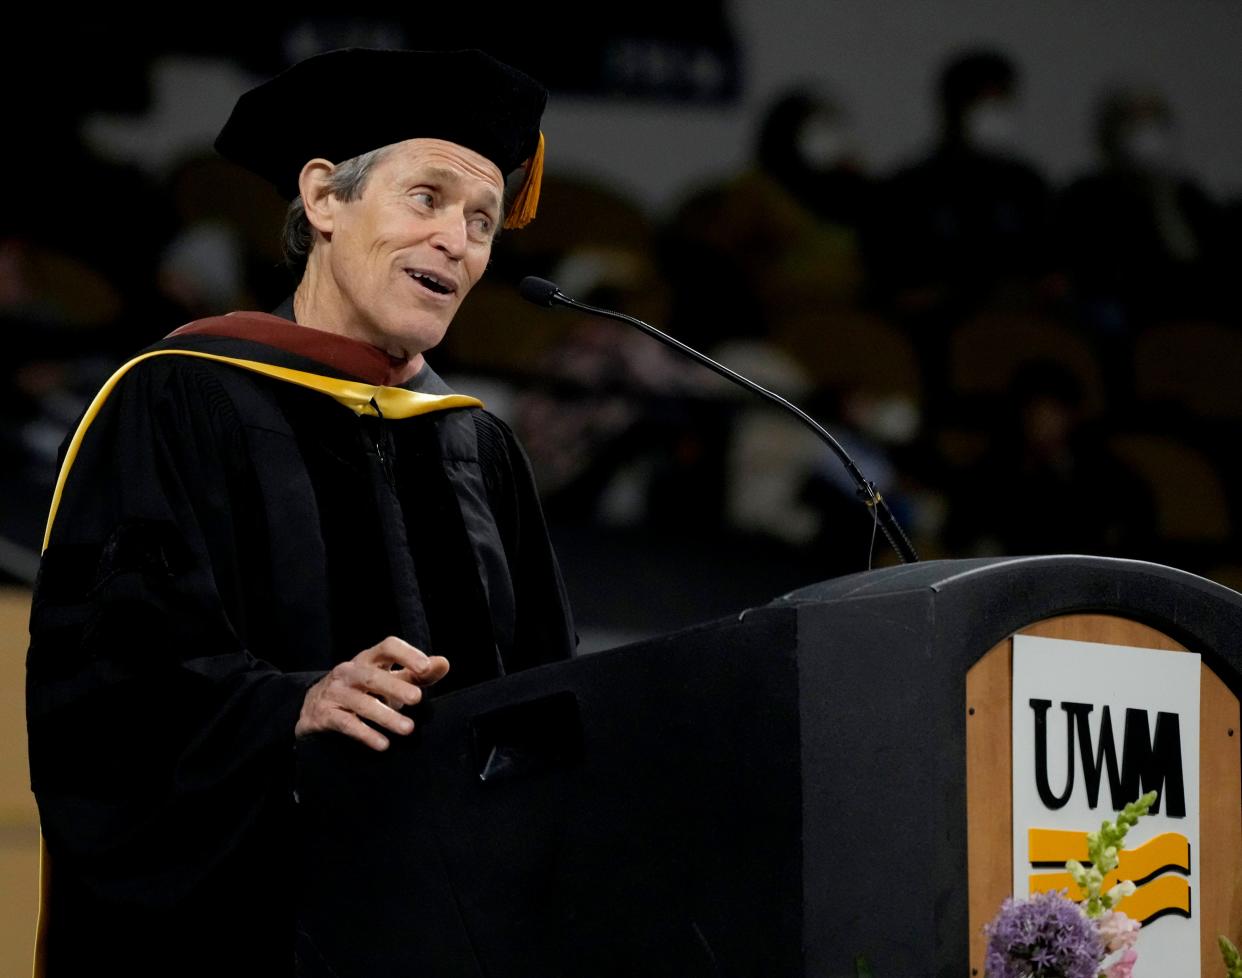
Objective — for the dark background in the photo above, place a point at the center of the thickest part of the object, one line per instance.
(1031, 344)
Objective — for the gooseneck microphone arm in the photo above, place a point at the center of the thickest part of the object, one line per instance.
(544, 293)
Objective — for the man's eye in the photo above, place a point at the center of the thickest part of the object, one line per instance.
(425, 198)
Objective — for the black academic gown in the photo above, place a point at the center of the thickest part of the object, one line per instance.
(221, 540)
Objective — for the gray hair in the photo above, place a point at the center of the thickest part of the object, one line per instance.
(346, 182)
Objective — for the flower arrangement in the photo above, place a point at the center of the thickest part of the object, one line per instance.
(1047, 936)
(1051, 936)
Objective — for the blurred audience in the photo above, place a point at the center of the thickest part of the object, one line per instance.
(1047, 482)
(779, 239)
(847, 290)
(1140, 239)
(968, 224)
(623, 431)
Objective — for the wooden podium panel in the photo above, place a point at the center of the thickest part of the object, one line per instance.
(989, 782)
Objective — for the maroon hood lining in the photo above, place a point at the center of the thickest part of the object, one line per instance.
(353, 357)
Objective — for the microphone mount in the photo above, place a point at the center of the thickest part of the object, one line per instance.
(541, 292)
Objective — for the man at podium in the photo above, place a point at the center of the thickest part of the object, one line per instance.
(269, 527)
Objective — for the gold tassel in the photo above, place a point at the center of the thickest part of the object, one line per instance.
(527, 200)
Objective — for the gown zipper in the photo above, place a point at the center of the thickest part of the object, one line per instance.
(377, 437)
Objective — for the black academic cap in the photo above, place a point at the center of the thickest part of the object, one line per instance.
(344, 103)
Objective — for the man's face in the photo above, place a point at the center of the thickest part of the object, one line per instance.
(401, 257)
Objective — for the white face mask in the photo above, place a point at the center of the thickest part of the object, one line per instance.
(1147, 145)
(991, 126)
(822, 142)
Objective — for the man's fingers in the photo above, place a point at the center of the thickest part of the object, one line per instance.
(351, 726)
(395, 687)
(360, 704)
(434, 668)
(372, 686)
(423, 669)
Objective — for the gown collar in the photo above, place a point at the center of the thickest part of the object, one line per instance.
(279, 329)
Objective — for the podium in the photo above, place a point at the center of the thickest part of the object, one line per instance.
(773, 794)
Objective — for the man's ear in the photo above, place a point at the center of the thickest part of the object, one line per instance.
(317, 199)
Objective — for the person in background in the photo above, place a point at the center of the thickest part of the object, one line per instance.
(967, 226)
(1142, 241)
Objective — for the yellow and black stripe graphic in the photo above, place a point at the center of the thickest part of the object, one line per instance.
(1160, 868)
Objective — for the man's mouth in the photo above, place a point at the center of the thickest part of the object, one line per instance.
(431, 283)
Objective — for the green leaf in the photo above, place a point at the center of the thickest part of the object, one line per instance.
(1233, 960)
(1103, 848)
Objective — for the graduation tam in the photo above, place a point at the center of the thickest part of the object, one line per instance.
(344, 103)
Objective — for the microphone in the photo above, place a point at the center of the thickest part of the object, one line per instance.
(544, 293)
(541, 292)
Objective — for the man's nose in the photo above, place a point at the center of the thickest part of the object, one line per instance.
(450, 235)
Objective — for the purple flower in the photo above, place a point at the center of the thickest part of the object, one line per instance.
(1047, 936)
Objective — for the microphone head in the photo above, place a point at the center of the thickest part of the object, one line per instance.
(538, 290)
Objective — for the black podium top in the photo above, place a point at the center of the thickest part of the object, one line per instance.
(992, 597)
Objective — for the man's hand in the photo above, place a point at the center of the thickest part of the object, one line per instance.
(375, 685)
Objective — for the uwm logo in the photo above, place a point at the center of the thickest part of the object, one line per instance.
(1148, 761)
